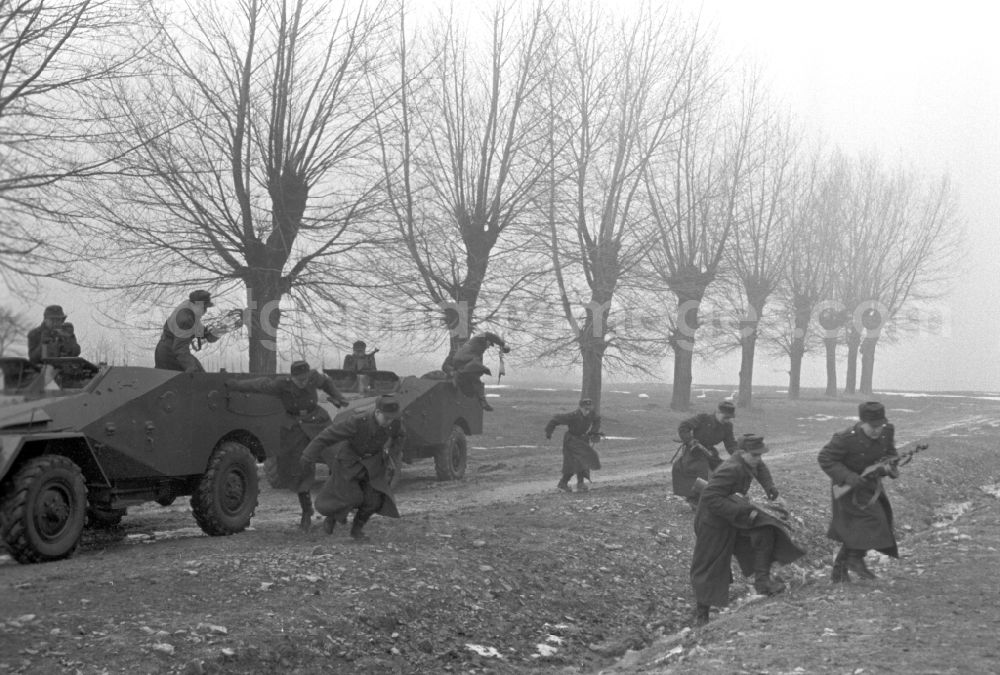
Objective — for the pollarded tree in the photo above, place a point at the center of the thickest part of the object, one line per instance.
(247, 157)
(462, 164)
(49, 53)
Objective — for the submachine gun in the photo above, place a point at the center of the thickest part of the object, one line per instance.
(884, 467)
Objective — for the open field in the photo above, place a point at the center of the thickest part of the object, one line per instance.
(501, 573)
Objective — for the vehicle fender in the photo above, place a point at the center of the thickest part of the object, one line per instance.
(16, 448)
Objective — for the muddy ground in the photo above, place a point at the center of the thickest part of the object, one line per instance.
(501, 573)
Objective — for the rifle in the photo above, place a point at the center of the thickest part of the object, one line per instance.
(883, 467)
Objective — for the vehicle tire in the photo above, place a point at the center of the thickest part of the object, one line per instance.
(104, 519)
(271, 473)
(167, 500)
(43, 512)
(451, 460)
(226, 496)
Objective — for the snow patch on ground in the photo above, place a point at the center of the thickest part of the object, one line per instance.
(618, 438)
(483, 651)
(820, 417)
(992, 490)
(643, 395)
(912, 394)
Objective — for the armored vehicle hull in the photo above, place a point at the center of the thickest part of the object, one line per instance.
(129, 435)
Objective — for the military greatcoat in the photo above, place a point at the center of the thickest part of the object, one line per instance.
(706, 429)
(303, 419)
(856, 519)
(52, 341)
(579, 456)
(182, 327)
(723, 529)
(357, 452)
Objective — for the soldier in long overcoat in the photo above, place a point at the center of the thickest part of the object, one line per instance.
(862, 519)
(180, 330)
(357, 450)
(727, 524)
(583, 427)
(304, 418)
(699, 457)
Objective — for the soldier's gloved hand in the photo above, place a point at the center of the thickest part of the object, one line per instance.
(892, 472)
(853, 479)
(505, 349)
(772, 493)
(753, 516)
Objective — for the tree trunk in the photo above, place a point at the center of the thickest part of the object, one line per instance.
(682, 342)
(831, 365)
(853, 344)
(264, 300)
(593, 371)
(748, 344)
(803, 314)
(867, 363)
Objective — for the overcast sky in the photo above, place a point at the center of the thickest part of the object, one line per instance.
(920, 83)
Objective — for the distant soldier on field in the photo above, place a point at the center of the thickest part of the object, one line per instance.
(304, 419)
(54, 338)
(183, 327)
(583, 428)
(467, 367)
(862, 519)
(699, 456)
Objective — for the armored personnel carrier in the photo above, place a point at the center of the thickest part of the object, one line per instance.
(112, 437)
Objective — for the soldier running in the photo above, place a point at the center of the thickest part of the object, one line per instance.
(357, 450)
(861, 519)
(304, 419)
(583, 427)
(699, 457)
(727, 524)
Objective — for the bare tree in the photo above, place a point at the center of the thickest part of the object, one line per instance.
(692, 192)
(49, 52)
(248, 156)
(618, 89)
(13, 327)
(461, 165)
(760, 248)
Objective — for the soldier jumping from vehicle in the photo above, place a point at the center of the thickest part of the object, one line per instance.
(467, 367)
(357, 450)
(727, 524)
(54, 338)
(583, 428)
(862, 519)
(699, 456)
(181, 329)
(304, 419)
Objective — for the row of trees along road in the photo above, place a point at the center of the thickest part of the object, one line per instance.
(593, 184)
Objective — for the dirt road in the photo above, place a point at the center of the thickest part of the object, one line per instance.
(500, 573)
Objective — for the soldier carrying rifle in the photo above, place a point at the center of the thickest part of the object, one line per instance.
(699, 457)
(861, 519)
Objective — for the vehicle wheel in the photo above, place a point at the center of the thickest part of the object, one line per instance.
(167, 500)
(225, 499)
(42, 514)
(451, 460)
(104, 519)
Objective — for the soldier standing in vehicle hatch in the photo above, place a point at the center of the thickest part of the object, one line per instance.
(304, 419)
(54, 338)
(182, 327)
(699, 456)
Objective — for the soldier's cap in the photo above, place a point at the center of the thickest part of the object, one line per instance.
(360, 344)
(586, 401)
(299, 368)
(388, 405)
(727, 408)
(872, 412)
(201, 296)
(753, 443)
(54, 312)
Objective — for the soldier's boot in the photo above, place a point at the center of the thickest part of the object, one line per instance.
(484, 403)
(839, 574)
(564, 485)
(328, 524)
(305, 501)
(701, 615)
(357, 528)
(763, 582)
(581, 486)
(856, 563)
